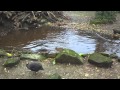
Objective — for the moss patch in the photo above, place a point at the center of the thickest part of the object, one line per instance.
(32, 56)
(100, 60)
(55, 76)
(69, 56)
(11, 62)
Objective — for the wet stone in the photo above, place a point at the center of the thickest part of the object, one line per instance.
(99, 60)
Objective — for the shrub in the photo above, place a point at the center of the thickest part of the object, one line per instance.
(104, 17)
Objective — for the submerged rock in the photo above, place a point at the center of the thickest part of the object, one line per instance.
(32, 56)
(68, 56)
(11, 62)
(55, 76)
(100, 60)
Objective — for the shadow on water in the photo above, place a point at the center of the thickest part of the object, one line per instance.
(51, 37)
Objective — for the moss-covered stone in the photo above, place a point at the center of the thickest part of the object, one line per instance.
(105, 54)
(52, 55)
(113, 55)
(109, 55)
(2, 52)
(100, 60)
(11, 62)
(68, 56)
(55, 76)
(32, 56)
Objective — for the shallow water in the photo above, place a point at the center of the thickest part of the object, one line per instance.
(51, 37)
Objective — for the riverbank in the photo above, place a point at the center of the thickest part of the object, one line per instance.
(81, 21)
(66, 71)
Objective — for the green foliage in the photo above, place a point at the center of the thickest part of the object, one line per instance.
(104, 17)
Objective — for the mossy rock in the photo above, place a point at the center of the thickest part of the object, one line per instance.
(68, 56)
(2, 52)
(105, 54)
(52, 54)
(100, 60)
(109, 55)
(55, 76)
(113, 55)
(84, 55)
(32, 56)
(10, 62)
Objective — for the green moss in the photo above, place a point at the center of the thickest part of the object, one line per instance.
(100, 60)
(69, 56)
(11, 62)
(2, 52)
(32, 56)
(55, 76)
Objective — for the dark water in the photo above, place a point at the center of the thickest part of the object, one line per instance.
(50, 38)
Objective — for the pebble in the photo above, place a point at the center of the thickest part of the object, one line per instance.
(86, 75)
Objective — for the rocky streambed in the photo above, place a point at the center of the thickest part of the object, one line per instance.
(65, 64)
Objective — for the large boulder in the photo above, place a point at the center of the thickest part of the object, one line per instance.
(68, 56)
(32, 56)
(100, 60)
(10, 62)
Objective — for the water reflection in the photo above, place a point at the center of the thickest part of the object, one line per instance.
(50, 38)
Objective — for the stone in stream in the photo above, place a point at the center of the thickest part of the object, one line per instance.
(32, 57)
(10, 62)
(34, 66)
(68, 56)
(100, 60)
